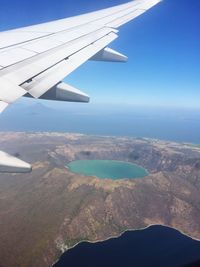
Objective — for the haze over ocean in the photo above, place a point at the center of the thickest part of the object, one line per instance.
(181, 125)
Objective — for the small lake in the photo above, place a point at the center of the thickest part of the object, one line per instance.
(111, 169)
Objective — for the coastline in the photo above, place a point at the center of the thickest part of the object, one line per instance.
(80, 134)
(118, 236)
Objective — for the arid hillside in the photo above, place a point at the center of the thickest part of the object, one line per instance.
(49, 210)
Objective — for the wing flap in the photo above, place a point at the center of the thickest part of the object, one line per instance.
(38, 46)
(51, 77)
(27, 69)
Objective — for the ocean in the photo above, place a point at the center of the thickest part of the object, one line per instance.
(181, 125)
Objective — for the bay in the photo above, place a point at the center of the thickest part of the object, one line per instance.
(156, 246)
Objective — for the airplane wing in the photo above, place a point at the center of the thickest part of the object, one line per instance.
(34, 60)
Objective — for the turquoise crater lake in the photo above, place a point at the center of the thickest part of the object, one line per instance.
(107, 169)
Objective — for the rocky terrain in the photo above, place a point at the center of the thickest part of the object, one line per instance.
(49, 210)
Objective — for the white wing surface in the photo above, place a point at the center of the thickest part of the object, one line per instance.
(35, 59)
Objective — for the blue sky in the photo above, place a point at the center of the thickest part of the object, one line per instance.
(162, 46)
